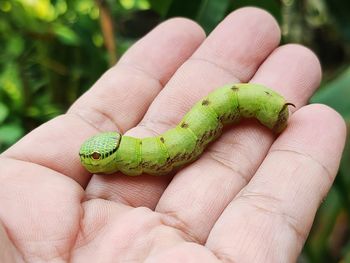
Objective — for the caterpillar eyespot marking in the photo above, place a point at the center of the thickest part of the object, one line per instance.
(110, 152)
(95, 155)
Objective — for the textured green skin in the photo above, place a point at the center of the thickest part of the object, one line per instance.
(110, 152)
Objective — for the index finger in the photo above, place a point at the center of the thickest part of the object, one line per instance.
(116, 102)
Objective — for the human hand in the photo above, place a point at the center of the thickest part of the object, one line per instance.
(249, 198)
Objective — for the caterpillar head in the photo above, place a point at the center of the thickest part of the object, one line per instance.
(98, 151)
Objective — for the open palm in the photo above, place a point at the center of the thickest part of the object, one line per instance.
(249, 198)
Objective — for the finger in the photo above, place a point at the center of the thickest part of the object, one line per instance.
(116, 102)
(228, 165)
(272, 215)
(231, 53)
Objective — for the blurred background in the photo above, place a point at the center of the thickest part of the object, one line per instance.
(52, 51)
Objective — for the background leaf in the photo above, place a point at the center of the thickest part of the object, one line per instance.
(66, 35)
(211, 12)
(4, 111)
(10, 133)
(336, 94)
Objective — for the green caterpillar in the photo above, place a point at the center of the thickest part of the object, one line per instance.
(109, 152)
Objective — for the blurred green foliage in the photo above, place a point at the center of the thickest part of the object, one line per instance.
(52, 51)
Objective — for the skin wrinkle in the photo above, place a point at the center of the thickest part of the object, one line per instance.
(63, 255)
(171, 219)
(30, 255)
(271, 205)
(223, 257)
(305, 71)
(139, 70)
(218, 155)
(185, 29)
(307, 156)
(33, 157)
(194, 58)
(226, 163)
(158, 233)
(87, 238)
(33, 255)
(104, 114)
(8, 235)
(259, 43)
(29, 162)
(79, 230)
(153, 221)
(147, 125)
(91, 123)
(103, 219)
(93, 195)
(24, 158)
(130, 184)
(214, 154)
(159, 125)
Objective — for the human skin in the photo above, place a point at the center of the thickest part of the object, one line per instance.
(251, 197)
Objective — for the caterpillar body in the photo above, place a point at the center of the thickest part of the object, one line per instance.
(109, 152)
